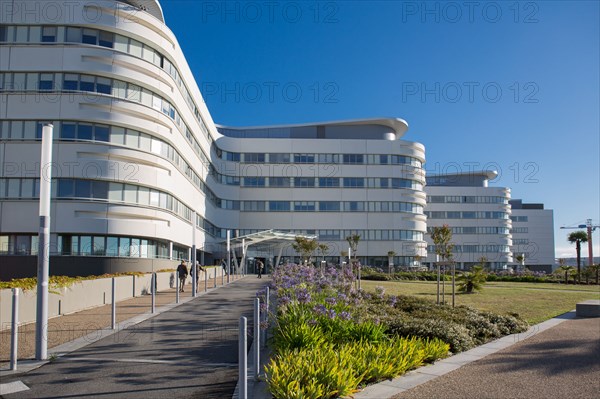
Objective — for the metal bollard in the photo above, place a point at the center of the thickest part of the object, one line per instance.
(205, 280)
(265, 318)
(177, 289)
(243, 358)
(215, 278)
(256, 340)
(14, 337)
(113, 313)
(153, 288)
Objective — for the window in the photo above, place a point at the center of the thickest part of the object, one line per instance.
(279, 206)
(101, 133)
(304, 206)
(329, 206)
(87, 83)
(66, 188)
(328, 158)
(71, 81)
(107, 39)
(279, 158)
(453, 215)
(469, 215)
(329, 182)
(84, 132)
(352, 182)
(304, 182)
(353, 159)
(279, 182)
(89, 36)
(103, 85)
(74, 35)
(67, 130)
(254, 157)
(254, 181)
(48, 34)
(3, 37)
(354, 206)
(304, 158)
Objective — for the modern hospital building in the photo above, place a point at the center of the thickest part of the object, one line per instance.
(138, 162)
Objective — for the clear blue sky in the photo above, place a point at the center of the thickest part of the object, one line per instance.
(504, 85)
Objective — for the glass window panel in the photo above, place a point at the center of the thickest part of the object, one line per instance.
(67, 130)
(16, 131)
(46, 81)
(135, 48)
(146, 98)
(132, 139)
(27, 188)
(85, 245)
(117, 135)
(85, 132)
(99, 246)
(121, 43)
(115, 191)
(3, 37)
(124, 244)
(22, 33)
(2, 188)
(71, 81)
(145, 142)
(19, 80)
(154, 198)
(112, 246)
(143, 196)
(74, 35)
(14, 186)
(103, 85)
(134, 92)
(89, 36)
(29, 130)
(32, 81)
(119, 89)
(148, 54)
(86, 83)
(66, 188)
(106, 39)
(101, 132)
(100, 189)
(49, 34)
(130, 193)
(156, 146)
(83, 188)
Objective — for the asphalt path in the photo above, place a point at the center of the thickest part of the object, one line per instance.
(190, 351)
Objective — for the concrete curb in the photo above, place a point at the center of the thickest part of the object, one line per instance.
(390, 388)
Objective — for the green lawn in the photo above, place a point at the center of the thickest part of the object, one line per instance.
(535, 302)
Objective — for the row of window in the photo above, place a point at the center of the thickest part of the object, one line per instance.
(347, 182)
(520, 241)
(340, 235)
(311, 158)
(60, 34)
(475, 230)
(329, 206)
(466, 215)
(519, 230)
(87, 245)
(465, 199)
(474, 248)
(519, 218)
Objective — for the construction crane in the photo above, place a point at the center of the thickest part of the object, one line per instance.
(590, 228)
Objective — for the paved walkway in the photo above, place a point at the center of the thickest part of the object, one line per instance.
(187, 352)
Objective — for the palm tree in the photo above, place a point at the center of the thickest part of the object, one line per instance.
(578, 237)
(472, 281)
(568, 270)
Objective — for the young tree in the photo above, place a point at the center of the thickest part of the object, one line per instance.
(441, 237)
(305, 247)
(577, 237)
(567, 270)
(323, 248)
(353, 242)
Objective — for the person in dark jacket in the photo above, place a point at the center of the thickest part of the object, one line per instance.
(182, 272)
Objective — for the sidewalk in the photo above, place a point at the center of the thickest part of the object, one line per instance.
(188, 352)
(69, 327)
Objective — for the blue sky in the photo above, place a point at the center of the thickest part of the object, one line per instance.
(511, 86)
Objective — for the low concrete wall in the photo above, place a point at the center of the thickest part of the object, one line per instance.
(90, 294)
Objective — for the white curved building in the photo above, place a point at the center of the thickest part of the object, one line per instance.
(136, 154)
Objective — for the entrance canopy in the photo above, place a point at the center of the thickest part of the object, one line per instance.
(265, 241)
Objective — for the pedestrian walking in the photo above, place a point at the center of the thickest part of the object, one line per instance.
(182, 272)
(259, 266)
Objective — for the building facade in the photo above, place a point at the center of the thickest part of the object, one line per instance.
(478, 215)
(138, 162)
(533, 235)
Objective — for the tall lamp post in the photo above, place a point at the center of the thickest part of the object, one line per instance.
(43, 260)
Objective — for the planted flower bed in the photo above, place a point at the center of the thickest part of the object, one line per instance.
(330, 339)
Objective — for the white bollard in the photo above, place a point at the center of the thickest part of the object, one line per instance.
(243, 358)
(256, 340)
(14, 337)
(113, 313)
(153, 288)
